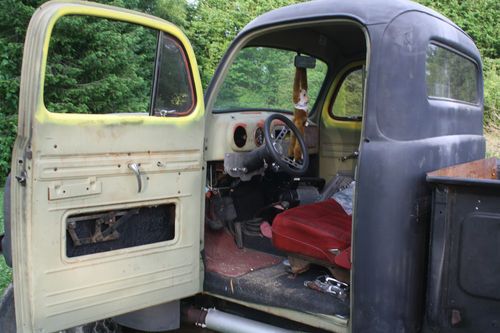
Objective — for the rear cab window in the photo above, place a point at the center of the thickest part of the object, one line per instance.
(450, 75)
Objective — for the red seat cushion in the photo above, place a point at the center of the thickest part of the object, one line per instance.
(313, 230)
(344, 258)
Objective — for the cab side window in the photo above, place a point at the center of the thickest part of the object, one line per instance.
(100, 66)
(348, 102)
(450, 75)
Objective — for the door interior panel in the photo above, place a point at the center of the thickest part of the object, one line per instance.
(338, 142)
(100, 277)
(107, 212)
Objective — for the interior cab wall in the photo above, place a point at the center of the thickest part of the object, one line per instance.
(406, 134)
(339, 138)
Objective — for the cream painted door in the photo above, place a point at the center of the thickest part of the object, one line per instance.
(107, 208)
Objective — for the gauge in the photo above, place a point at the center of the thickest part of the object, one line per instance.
(259, 136)
(240, 136)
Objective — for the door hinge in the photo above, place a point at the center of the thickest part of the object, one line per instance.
(21, 179)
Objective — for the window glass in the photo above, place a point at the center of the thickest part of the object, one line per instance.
(101, 66)
(261, 78)
(450, 75)
(174, 92)
(349, 98)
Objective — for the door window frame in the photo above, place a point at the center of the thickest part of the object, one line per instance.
(157, 71)
(34, 92)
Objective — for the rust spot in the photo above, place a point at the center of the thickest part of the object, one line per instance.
(481, 169)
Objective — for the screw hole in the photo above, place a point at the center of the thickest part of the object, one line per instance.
(55, 169)
(55, 146)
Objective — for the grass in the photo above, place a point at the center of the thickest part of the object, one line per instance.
(5, 271)
(492, 134)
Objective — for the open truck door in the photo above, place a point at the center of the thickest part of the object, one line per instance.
(106, 209)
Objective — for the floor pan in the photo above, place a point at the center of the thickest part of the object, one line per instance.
(262, 279)
(223, 256)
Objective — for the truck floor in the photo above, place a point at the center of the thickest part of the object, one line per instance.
(261, 278)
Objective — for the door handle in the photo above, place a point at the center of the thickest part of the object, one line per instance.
(137, 172)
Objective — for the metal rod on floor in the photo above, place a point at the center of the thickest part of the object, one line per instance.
(227, 323)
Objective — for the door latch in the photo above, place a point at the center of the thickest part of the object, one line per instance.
(137, 172)
(352, 156)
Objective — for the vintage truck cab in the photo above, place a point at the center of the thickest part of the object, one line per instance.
(193, 202)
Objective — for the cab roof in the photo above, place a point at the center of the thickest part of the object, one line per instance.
(367, 12)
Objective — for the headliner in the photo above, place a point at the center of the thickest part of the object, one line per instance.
(318, 40)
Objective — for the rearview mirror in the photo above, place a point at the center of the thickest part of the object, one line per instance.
(304, 62)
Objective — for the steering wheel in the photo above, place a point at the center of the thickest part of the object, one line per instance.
(277, 149)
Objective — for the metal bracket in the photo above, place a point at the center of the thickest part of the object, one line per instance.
(111, 221)
(329, 285)
(352, 156)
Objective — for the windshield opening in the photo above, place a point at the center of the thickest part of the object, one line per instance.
(261, 78)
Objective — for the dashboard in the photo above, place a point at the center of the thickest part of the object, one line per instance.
(244, 132)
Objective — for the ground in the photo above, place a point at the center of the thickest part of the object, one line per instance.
(492, 134)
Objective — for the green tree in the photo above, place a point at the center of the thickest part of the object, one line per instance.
(14, 18)
(76, 77)
(214, 23)
(263, 78)
(480, 19)
(107, 69)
